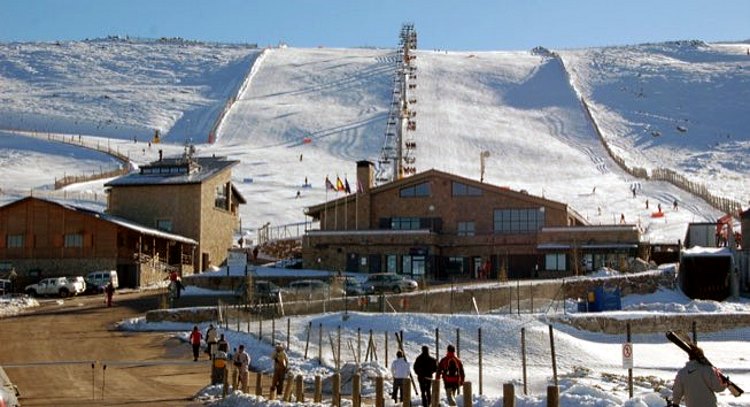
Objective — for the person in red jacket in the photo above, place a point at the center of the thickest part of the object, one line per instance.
(451, 369)
(195, 339)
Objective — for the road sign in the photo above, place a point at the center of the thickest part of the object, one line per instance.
(627, 355)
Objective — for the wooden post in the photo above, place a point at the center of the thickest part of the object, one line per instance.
(405, 394)
(379, 400)
(338, 348)
(288, 331)
(258, 386)
(458, 342)
(630, 370)
(307, 341)
(553, 396)
(437, 343)
(435, 402)
(288, 388)
(320, 344)
(523, 360)
(318, 393)
(299, 389)
(260, 328)
(273, 331)
(479, 339)
(695, 333)
(531, 293)
(509, 395)
(552, 349)
(467, 394)
(359, 345)
(356, 390)
(385, 361)
(518, 296)
(336, 389)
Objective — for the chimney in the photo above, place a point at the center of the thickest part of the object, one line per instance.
(365, 172)
(160, 154)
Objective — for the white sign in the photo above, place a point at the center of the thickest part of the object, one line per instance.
(627, 355)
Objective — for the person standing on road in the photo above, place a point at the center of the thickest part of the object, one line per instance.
(109, 291)
(451, 369)
(400, 372)
(697, 382)
(244, 367)
(195, 340)
(280, 363)
(211, 338)
(424, 366)
(222, 344)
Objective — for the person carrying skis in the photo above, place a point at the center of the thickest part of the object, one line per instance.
(697, 382)
(451, 369)
(424, 366)
(280, 363)
(400, 372)
(211, 338)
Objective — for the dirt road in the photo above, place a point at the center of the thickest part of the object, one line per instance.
(48, 352)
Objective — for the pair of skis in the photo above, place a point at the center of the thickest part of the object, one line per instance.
(688, 346)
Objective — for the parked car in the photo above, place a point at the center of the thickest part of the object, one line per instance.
(390, 282)
(97, 280)
(352, 286)
(263, 291)
(62, 286)
(313, 289)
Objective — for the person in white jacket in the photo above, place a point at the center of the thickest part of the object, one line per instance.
(400, 370)
(697, 382)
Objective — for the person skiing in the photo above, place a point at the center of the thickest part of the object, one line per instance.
(109, 291)
(424, 366)
(451, 369)
(697, 382)
(280, 362)
(195, 340)
(211, 338)
(400, 372)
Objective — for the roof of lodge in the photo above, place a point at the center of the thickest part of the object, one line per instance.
(175, 171)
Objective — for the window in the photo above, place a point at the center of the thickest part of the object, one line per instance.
(391, 263)
(460, 189)
(74, 240)
(405, 223)
(519, 220)
(14, 241)
(466, 228)
(413, 265)
(164, 224)
(419, 190)
(555, 261)
(221, 197)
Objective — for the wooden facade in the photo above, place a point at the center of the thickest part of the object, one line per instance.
(437, 225)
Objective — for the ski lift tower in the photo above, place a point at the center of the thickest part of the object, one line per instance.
(397, 158)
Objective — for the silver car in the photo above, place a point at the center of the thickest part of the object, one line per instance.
(390, 282)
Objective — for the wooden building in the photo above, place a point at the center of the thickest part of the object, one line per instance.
(43, 238)
(437, 225)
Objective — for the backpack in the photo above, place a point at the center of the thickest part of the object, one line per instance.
(452, 368)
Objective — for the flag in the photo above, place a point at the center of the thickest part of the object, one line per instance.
(346, 186)
(360, 188)
(329, 185)
(339, 184)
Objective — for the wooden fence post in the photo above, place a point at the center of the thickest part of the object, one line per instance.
(553, 396)
(336, 389)
(523, 360)
(435, 402)
(379, 399)
(356, 390)
(509, 395)
(467, 394)
(318, 393)
(299, 389)
(552, 349)
(479, 339)
(258, 386)
(406, 393)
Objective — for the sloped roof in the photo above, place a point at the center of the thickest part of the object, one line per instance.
(148, 231)
(175, 171)
(433, 173)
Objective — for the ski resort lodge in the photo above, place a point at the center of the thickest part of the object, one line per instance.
(436, 225)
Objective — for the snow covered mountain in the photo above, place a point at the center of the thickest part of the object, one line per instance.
(304, 114)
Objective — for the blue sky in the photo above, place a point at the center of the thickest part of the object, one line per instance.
(455, 25)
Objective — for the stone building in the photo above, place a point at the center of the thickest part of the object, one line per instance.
(189, 196)
(43, 238)
(436, 225)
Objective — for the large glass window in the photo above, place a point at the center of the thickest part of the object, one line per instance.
(518, 220)
(391, 263)
(466, 228)
(455, 265)
(14, 241)
(460, 189)
(413, 265)
(419, 190)
(405, 223)
(555, 261)
(74, 240)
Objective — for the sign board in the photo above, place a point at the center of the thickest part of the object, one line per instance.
(627, 355)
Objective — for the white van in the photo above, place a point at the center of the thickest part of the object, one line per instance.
(97, 280)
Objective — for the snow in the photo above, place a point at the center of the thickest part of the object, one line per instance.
(588, 363)
(680, 105)
(12, 305)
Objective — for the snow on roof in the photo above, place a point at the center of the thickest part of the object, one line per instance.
(707, 251)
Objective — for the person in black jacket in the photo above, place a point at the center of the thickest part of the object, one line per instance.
(424, 366)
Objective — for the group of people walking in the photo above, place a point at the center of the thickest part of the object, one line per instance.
(450, 369)
(217, 348)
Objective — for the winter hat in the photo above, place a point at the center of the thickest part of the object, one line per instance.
(451, 348)
(425, 349)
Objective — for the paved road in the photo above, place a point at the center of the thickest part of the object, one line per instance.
(47, 353)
